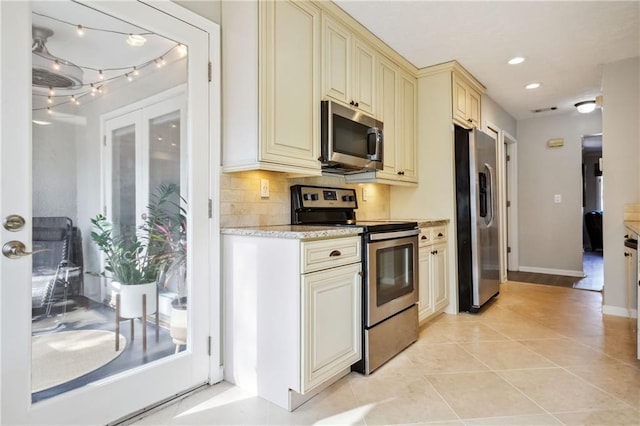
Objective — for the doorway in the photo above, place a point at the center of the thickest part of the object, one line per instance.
(592, 212)
(89, 60)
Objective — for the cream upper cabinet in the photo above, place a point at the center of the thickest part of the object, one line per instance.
(466, 103)
(349, 68)
(407, 147)
(274, 125)
(396, 100)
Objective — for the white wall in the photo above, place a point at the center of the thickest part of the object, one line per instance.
(495, 114)
(208, 9)
(620, 153)
(550, 234)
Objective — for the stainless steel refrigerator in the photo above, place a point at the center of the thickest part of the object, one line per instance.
(476, 219)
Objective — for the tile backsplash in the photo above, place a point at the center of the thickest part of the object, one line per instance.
(241, 203)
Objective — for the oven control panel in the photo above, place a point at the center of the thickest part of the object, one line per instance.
(324, 197)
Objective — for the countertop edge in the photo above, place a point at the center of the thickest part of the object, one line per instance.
(294, 232)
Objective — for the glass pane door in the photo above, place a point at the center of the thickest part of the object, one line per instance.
(99, 244)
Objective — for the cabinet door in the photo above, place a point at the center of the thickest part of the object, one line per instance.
(407, 128)
(460, 98)
(363, 76)
(290, 76)
(440, 274)
(473, 108)
(337, 58)
(331, 323)
(424, 283)
(387, 113)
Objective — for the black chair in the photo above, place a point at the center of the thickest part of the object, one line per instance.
(593, 222)
(57, 261)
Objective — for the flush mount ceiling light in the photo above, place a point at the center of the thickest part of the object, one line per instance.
(532, 86)
(516, 60)
(586, 107)
(136, 40)
(48, 70)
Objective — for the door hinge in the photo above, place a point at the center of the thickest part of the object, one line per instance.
(209, 72)
(508, 157)
(210, 208)
(508, 203)
(508, 249)
(209, 345)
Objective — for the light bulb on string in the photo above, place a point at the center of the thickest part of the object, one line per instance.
(49, 111)
(100, 74)
(51, 91)
(182, 49)
(49, 100)
(129, 77)
(99, 89)
(80, 30)
(56, 65)
(135, 71)
(93, 90)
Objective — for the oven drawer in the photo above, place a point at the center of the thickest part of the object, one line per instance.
(323, 254)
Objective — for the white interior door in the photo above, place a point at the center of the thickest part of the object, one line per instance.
(32, 173)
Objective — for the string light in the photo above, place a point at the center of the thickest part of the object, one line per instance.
(93, 90)
(80, 30)
(49, 100)
(100, 74)
(129, 77)
(49, 110)
(135, 71)
(182, 49)
(56, 65)
(136, 40)
(51, 91)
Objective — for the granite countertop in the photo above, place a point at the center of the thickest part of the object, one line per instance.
(633, 226)
(424, 223)
(297, 232)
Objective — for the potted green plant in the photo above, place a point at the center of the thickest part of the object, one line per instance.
(166, 226)
(130, 263)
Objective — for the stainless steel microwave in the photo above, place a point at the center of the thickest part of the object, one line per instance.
(351, 141)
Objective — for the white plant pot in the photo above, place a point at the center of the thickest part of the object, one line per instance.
(178, 324)
(131, 298)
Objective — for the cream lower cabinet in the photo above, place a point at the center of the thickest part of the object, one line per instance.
(433, 289)
(331, 324)
(293, 318)
(271, 95)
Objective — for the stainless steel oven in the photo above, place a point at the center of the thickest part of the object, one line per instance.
(391, 274)
(390, 266)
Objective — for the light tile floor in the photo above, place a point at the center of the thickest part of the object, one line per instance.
(537, 355)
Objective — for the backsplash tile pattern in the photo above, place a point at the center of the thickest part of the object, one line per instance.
(241, 204)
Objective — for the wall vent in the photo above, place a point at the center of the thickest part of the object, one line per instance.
(544, 109)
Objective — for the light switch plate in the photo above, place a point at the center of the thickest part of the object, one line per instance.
(557, 198)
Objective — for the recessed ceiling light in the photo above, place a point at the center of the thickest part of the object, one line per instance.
(532, 86)
(516, 60)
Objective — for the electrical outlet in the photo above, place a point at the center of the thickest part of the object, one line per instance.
(557, 198)
(264, 188)
(365, 194)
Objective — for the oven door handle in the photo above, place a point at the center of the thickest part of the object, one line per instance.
(389, 235)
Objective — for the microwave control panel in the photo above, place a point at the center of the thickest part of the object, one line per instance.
(315, 196)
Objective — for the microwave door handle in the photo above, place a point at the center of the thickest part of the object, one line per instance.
(374, 144)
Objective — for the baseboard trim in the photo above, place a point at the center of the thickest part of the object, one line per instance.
(549, 271)
(619, 312)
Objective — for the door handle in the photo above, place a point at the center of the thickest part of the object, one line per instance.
(15, 249)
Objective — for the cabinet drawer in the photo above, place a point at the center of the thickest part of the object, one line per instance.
(439, 233)
(323, 254)
(425, 236)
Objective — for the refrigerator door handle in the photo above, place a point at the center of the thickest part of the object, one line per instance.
(490, 193)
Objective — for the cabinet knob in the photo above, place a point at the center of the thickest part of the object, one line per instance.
(424, 237)
(434, 252)
(627, 254)
(440, 235)
(357, 104)
(470, 120)
(401, 172)
(335, 253)
(352, 103)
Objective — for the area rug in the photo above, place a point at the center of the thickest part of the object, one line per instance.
(61, 357)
